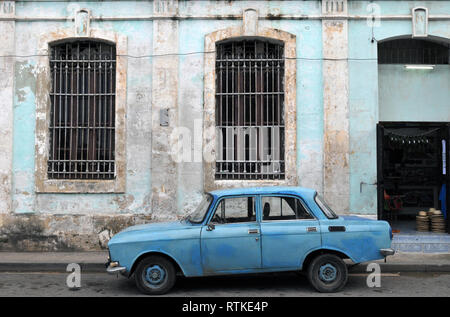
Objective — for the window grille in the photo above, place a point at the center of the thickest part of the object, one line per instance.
(413, 51)
(82, 112)
(250, 110)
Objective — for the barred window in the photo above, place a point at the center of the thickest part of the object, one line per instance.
(250, 110)
(413, 51)
(82, 113)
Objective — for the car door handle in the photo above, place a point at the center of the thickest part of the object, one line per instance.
(253, 231)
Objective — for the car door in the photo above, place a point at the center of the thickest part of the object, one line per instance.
(289, 231)
(231, 241)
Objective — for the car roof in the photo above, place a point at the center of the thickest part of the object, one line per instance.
(265, 190)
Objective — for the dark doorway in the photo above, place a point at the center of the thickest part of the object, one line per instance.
(413, 171)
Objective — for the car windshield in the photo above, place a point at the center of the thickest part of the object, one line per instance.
(199, 213)
(325, 208)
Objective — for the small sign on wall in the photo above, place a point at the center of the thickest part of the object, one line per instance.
(420, 22)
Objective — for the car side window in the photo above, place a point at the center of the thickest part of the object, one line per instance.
(283, 208)
(234, 210)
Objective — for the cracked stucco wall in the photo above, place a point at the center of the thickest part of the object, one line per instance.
(62, 221)
(336, 110)
(6, 104)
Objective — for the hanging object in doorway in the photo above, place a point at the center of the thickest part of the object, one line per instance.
(411, 142)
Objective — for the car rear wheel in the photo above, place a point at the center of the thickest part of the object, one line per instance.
(155, 275)
(327, 273)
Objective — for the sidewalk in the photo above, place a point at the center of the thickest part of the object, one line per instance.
(94, 262)
(52, 261)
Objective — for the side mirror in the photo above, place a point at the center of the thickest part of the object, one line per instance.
(210, 227)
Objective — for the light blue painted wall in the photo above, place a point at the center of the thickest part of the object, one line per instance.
(414, 95)
(309, 90)
(139, 83)
(397, 7)
(364, 92)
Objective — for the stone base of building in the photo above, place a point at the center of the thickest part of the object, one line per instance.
(48, 232)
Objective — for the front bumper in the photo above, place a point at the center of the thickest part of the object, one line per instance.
(386, 252)
(114, 267)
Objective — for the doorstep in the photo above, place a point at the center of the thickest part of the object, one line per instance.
(422, 242)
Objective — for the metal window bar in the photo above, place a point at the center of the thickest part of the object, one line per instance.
(413, 51)
(82, 113)
(250, 110)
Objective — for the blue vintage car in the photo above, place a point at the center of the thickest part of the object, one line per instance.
(250, 230)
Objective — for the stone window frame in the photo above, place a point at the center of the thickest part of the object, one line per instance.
(290, 107)
(43, 104)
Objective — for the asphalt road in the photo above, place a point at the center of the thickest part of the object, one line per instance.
(273, 285)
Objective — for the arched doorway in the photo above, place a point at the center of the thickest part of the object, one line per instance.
(413, 130)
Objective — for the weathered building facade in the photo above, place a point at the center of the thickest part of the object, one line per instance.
(122, 112)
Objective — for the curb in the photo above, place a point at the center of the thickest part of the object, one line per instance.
(50, 267)
(405, 268)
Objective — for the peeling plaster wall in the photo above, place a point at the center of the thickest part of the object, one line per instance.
(138, 128)
(336, 109)
(56, 232)
(6, 105)
(135, 203)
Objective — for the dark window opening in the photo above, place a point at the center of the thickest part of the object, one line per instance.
(412, 174)
(413, 51)
(82, 113)
(250, 110)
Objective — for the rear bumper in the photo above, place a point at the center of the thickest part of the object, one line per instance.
(386, 252)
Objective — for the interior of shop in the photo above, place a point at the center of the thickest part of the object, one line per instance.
(413, 170)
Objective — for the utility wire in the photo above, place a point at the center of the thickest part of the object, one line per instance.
(195, 53)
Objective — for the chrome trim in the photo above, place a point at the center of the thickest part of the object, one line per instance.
(116, 269)
(386, 252)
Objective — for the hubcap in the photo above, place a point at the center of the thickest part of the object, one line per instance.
(327, 273)
(155, 275)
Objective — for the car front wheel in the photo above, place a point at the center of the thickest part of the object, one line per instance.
(155, 275)
(327, 273)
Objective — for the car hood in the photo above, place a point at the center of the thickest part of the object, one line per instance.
(143, 232)
(158, 226)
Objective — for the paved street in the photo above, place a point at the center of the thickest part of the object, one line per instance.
(274, 285)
